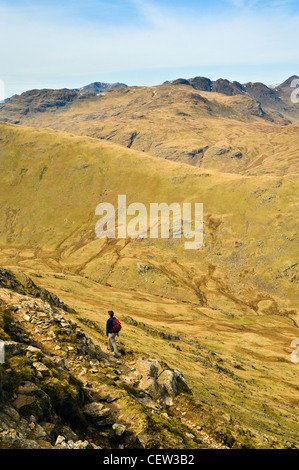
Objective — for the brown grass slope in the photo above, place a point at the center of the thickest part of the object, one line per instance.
(229, 308)
(172, 121)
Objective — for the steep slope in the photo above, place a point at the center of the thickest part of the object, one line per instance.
(224, 314)
(58, 388)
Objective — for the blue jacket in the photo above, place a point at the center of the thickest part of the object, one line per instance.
(109, 325)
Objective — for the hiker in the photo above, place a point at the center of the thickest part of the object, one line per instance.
(112, 329)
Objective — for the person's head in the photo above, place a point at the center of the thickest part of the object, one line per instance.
(111, 313)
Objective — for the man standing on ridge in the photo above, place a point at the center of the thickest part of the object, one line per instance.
(111, 333)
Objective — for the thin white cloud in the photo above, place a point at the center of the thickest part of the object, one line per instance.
(150, 11)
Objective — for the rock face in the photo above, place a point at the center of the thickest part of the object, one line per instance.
(13, 348)
(218, 86)
(99, 87)
(227, 88)
(201, 83)
(19, 282)
(173, 382)
(32, 400)
(39, 101)
(95, 411)
(264, 96)
(63, 443)
(160, 382)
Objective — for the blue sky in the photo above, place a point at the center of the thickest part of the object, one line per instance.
(70, 43)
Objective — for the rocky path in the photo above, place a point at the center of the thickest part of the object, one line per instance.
(124, 403)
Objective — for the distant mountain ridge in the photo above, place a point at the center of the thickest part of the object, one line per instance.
(256, 90)
(173, 120)
(265, 95)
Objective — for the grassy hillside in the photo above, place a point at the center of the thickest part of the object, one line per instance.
(225, 314)
(205, 129)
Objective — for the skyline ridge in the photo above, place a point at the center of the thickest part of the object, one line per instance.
(111, 85)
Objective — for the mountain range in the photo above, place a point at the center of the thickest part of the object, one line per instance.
(173, 121)
(276, 96)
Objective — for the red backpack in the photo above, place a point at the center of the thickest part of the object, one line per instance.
(116, 326)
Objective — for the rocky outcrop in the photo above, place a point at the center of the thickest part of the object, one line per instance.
(143, 268)
(264, 95)
(159, 381)
(17, 281)
(97, 413)
(20, 432)
(59, 390)
(38, 101)
(227, 88)
(33, 401)
(276, 99)
(201, 83)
